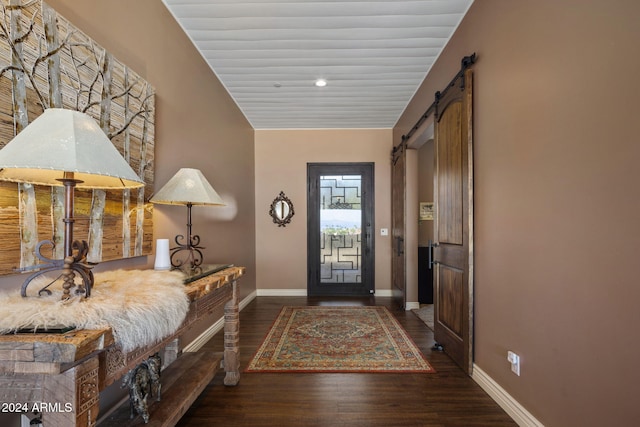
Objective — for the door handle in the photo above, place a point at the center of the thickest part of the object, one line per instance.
(367, 236)
(399, 248)
(432, 245)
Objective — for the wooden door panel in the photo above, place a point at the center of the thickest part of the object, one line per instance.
(450, 189)
(451, 298)
(450, 307)
(450, 255)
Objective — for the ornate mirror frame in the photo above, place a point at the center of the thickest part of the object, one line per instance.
(281, 210)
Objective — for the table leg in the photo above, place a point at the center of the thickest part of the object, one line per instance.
(80, 404)
(232, 339)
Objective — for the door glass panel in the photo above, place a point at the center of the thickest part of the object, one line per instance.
(340, 229)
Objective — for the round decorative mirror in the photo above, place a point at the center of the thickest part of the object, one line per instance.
(281, 210)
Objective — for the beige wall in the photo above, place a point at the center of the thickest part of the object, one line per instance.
(281, 165)
(556, 201)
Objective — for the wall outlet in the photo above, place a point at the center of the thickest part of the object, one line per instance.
(514, 359)
(384, 231)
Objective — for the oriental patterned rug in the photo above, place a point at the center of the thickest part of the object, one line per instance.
(338, 339)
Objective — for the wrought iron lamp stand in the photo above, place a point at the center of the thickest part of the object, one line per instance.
(192, 246)
(75, 253)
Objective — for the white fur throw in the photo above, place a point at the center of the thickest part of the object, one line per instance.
(141, 306)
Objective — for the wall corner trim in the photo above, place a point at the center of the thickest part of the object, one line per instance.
(216, 327)
(511, 406)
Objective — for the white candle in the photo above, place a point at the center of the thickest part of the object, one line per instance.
(162, 255)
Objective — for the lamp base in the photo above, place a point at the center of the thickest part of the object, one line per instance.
(69, 266)
(192, 249)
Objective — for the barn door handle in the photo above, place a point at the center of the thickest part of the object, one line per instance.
(431, 246)
(399, 249)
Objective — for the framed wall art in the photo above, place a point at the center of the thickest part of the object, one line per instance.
(426, 211)
(46, 62)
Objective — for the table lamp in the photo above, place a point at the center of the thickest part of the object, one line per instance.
(188, 187)
(65, 148)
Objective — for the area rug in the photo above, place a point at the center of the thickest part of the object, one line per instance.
(338, 339)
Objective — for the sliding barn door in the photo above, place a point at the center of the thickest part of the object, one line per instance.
(453, 232)
(398, 185)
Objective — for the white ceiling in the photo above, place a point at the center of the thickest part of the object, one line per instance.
(268, 53)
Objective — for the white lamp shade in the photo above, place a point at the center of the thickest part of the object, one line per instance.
(187, 186)
(60, 141)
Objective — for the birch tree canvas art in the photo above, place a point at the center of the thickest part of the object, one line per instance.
(45, 62)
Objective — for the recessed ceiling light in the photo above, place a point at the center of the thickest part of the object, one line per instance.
(321, 83)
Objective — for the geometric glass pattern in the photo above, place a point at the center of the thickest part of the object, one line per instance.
(340, 229)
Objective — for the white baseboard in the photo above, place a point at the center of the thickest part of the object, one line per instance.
(216, 327)
(303, 293)
(384, 293)
(282, 292)
(411, 305)
(511, 406)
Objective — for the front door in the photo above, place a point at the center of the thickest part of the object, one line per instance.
(453, 223)
(340, 229)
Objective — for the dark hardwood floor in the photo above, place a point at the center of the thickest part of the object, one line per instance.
(446, 398)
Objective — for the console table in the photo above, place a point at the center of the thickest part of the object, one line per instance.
(63, 374)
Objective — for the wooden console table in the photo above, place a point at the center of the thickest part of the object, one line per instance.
(63, 374)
